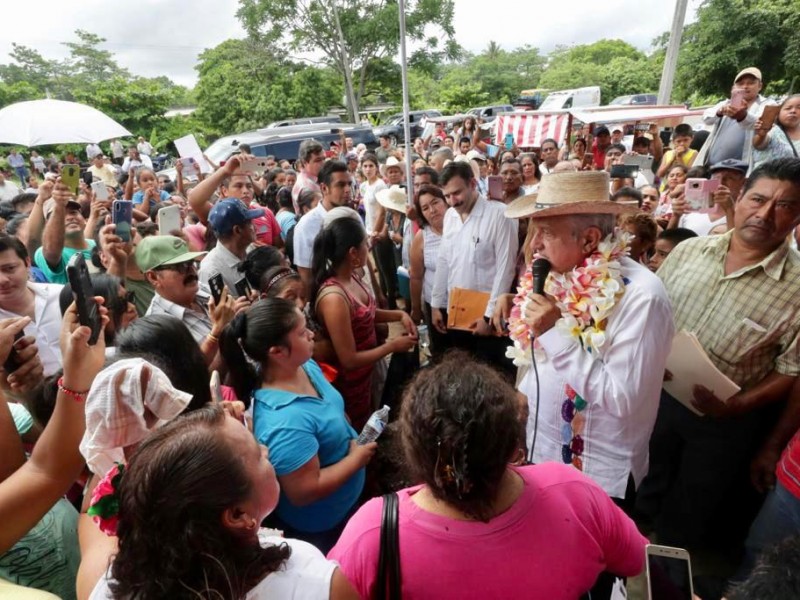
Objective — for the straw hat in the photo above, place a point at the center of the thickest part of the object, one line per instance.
(567, 193)
(392, 162)
(393, 198)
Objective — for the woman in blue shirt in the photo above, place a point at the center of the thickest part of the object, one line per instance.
(300, 417)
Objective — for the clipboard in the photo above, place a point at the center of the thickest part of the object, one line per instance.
(769, 114)
(465, 307)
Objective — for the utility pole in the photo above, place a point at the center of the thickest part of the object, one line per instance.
(673, 47)
(406, 125)
(348, 73)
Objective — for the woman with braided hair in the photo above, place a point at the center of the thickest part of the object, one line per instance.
(483, 526)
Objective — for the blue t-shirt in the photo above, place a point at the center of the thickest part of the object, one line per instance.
(138, 197)
(295, 428)
(59, 274)
(286, 220)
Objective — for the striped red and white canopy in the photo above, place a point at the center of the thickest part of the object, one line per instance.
(530, 129)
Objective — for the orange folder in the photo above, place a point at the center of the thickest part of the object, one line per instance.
(466, 307)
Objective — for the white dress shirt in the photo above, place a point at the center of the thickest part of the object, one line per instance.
(477, 254)
(307, 228)
(223, 261)
(46, 326)
(621, 386)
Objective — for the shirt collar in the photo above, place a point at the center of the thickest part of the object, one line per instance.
(228, 257)
(282, 398)
(178, 311)
(773, 264)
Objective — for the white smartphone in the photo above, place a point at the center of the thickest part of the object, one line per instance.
(253, 165)
(169, 219)
(669, 573)
(216, 388)
(190, 167)
(100, 190)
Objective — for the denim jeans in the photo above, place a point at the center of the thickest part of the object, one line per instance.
(778, 519)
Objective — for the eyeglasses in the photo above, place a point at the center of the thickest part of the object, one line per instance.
(182, 268)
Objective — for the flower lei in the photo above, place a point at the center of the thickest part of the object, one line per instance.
(104, 507)
(586, 296)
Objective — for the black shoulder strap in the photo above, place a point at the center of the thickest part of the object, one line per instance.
(388, 584)
(791, 143)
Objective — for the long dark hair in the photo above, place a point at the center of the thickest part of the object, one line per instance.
(262, 326)
(460, 428)
(172, 543)
(166, 342)
(258, 262)
(331, 247)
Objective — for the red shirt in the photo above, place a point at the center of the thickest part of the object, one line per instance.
(788, 470)
(267, 227)
(599, 156)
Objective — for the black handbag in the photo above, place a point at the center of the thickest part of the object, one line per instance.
(388, 584)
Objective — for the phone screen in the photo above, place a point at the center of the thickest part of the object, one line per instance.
(669, 578)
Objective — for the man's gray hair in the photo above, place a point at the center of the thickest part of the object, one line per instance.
(445, 153)
(605, 223)
(308, 148)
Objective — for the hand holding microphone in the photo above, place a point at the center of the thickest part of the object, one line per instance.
(541, 313)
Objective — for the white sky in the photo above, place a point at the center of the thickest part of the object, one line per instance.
(164, 37)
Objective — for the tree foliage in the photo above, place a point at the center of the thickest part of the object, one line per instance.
(369, 32)
(729, 35)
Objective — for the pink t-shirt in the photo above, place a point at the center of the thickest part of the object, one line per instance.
(267, 227)
(552, 543)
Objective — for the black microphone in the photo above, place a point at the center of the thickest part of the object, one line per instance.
(540, 270)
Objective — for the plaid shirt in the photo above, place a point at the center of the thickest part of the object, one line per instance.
(748, 321)
(199, 323)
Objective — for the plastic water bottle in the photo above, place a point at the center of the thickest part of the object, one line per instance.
(374, 427)
(424, 345)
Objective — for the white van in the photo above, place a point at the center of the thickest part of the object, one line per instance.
(586, 96)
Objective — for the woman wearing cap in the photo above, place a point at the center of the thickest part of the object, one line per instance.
(431, 206)
(479, 526)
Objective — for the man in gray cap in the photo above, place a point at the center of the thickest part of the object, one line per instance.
(733, 120)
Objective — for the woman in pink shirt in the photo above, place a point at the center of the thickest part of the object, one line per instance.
(479, 526)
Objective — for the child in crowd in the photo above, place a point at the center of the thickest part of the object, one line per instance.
(666, 242)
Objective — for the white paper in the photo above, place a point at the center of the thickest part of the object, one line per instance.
(618, 591)
(690, 366)
(188, 147)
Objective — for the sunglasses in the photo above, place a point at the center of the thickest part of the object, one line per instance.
(182, 268)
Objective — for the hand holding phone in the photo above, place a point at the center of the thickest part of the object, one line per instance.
(243, 288)
(169, 219)
(70, 177)
(122, 217)
(216, 285)
(100, 190)
(699, 193)
(81, 283)
(509, 141)
(669, 573)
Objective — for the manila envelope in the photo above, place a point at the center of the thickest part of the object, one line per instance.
(466, 307)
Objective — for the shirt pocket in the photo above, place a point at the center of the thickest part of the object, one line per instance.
(483, 251)
(745, 339)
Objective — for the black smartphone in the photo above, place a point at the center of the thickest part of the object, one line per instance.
(81, 283)
(624, 171)
(12, 362)
(243, 288)
(87, 177)
(216, 284)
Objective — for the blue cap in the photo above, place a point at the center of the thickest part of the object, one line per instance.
(229, 212)
(731, 164)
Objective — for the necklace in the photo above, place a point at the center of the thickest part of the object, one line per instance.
(586, 297)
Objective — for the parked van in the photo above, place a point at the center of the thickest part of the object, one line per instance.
(586, 96)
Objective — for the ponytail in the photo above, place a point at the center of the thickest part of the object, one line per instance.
(251, 334)
(331, 247)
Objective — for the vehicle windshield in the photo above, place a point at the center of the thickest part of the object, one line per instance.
(621, 100)
(394, 120)
(220, 150)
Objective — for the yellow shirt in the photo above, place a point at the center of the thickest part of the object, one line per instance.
(687, 159)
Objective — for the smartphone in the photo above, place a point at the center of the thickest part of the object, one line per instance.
(624, 171)
(87, 177)
(669, 573)
(642, 161)
(99, 190)
(169, 219)
(190, 167)
(243, 288)
(737, 98)
(81, 283)
(495, 187)
(698, 192)
(12, 362)
(509, 141)
(122, 216)
(768, 115)
(216, 284)
(70, 176)
(252, 165)
(216, 388)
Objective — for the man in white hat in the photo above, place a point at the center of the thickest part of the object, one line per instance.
(601, 335)
(733, 120)
(394, 171)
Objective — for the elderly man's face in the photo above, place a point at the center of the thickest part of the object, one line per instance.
(554, 239)
(512, 177)
(767, 213)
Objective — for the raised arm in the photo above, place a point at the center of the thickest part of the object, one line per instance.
(53, 239)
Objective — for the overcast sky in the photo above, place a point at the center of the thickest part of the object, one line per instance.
(164, 37)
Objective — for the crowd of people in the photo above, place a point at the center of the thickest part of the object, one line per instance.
(206, 445)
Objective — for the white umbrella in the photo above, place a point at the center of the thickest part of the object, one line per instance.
(43, 122)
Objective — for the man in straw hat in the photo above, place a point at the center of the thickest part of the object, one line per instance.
(601, 335)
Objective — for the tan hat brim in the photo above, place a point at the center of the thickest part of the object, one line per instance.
(527, 206)
(390, 205)
(185, 257)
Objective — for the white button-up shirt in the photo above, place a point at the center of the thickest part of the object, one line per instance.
(621, 385)
(305, 231)
(46, 325)
(478, 253)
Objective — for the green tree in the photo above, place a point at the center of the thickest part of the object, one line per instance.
(729, 35)
(88, 62)
(369, 31)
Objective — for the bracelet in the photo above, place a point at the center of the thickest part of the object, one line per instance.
(212, 338)
(77, 396)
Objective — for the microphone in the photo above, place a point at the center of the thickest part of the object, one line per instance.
(540, 269)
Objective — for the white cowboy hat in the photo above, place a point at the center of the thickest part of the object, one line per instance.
(393, 198)
(567, 193)
(393, 162)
